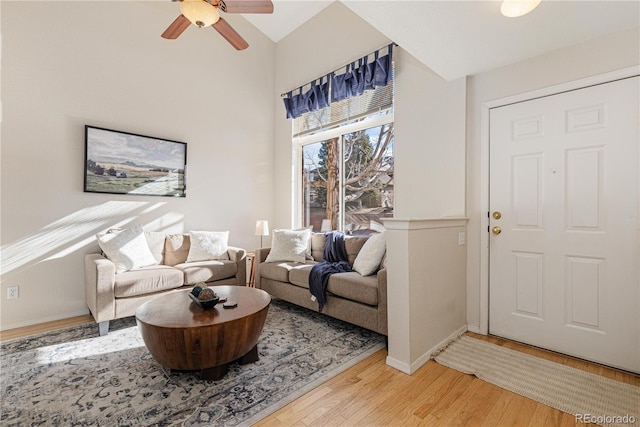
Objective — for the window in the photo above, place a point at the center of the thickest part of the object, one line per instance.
(347, 175)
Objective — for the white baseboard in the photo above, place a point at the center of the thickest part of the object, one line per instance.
(400, 366)
(417, 364)
(39, 320)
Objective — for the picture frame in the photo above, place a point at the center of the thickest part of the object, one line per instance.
(118, 162)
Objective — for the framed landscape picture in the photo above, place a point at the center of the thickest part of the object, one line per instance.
(125, 163)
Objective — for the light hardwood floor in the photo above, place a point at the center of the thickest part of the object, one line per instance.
(44, 327)
(374, 394)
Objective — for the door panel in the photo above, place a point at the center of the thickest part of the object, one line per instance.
(564, 269)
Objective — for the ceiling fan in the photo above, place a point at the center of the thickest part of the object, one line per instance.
(204, 13)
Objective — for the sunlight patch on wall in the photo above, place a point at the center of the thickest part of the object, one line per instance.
(171, 222)
(83, 224)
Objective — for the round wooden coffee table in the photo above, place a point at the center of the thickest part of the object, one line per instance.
(182, 336)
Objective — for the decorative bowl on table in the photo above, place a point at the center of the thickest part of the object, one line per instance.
(203, 296)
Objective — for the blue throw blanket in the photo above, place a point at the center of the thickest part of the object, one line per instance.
(334, 260)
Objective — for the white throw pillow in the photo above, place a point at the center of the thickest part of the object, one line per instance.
(370, 256)
(310, 228)
(289, 245)
(208, 245)
(156, 242)
(127, 249)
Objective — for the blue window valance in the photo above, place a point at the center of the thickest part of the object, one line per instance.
(358, 76)
(315, 98)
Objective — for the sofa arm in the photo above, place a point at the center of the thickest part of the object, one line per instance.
(382, 300)
(261, 256)
(236, 254)
(239, 255)
(99, 287)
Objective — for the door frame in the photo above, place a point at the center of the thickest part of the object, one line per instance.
(484, 166)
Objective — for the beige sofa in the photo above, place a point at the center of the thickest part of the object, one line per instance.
(110, 295)
(360, 300)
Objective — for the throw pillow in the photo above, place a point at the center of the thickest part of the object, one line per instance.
(310, 228)
(127, 249)
(208, 245)
(289, 245)
(353, 245)
(155, 240)
(370, 256)
(176, 249)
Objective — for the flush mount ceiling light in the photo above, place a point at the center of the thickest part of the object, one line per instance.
(515, 8)
(199, 12)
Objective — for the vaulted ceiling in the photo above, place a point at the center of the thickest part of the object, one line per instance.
(458, 38)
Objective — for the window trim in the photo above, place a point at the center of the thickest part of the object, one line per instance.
(322, 135)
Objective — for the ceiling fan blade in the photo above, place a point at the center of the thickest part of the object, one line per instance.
(246, 6)
(230, 34)
(176, 28)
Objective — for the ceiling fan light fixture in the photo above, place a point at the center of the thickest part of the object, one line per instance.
(200, 12)
(515, 8)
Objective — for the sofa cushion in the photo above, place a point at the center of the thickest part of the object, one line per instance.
(207, 271)
(278, 270)
(289, 245)
(147, 280)
(208, 245)
(176, 249)
(370, 256)
(350, 285)
(127, 249)
(299, 275)
(353, 244)
(355, 287)
(317, 245)
(308, 255)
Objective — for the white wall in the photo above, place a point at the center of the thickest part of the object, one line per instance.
(67, 64)
(608, 53)
(430, 142)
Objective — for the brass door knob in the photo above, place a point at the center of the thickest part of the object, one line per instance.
(496, 230)
(496, 215)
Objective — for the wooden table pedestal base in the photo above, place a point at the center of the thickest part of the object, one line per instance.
(218, 372)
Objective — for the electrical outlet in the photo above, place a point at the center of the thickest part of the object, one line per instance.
(461, 238)
(12, 292)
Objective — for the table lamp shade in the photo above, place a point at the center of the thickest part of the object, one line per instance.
(262, 229)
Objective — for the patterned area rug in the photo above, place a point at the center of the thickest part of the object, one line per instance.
(589, 397)
(74, 377)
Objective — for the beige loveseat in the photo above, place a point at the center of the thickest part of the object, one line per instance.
(360, 300)
(112, 295)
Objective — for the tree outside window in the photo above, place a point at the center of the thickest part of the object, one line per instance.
(349, 180)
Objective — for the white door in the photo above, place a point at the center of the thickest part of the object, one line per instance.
(564, 267)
